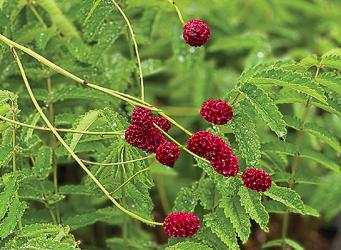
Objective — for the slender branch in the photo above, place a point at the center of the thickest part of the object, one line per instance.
(181, 146)
(14, 159)
(175, 123)
(53, 144)
(129, 179)
(118, 163)
(71, 152)
(36, 14)
(133, 38)
(177, 11)
(61, 129)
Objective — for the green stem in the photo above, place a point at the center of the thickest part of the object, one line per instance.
(177, 11)
(71, 152)
(129, 179)
(14, 158)
(163, 194)
(118, 163)
(133, 38)
(61, 129)
(53, 144)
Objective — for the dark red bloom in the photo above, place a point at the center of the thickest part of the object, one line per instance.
(226, 164)
(218, 147)
(167, 153)
(145, 139)
(181, 224)
(163, 123)
(142, 117)
(216, 111)
(196, 33)
(200, 143)
(256, 179)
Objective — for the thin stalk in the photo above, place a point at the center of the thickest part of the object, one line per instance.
(237, 98)
(133, 38)
(14, 158)
(71, 152)
(181, 146)
(53, 144)
(61, 129)
(175, 123)
(163, 194)
(118, 163)
(36, 14)
(129, 179)
(177, 11)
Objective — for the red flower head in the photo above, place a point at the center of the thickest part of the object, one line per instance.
(142, 117)
(216, 111)
(167, 153)
(226, 164)
(163, 123)
(181, 224)
(256, 179)
(196, 33)
(200, 143)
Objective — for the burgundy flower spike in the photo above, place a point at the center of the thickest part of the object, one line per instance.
(181, 224)
(196, 33)
(163, 123)
(216, 111)
(256, 179)
(167, 153)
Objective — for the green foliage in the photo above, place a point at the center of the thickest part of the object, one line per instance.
(278, 65)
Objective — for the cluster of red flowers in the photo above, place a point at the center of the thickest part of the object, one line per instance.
(143, 133)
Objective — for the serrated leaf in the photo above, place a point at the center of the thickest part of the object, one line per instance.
(330, 81)
(43, 164)
(15, 212)
(187, 245)
(251, 201)
(332, 59)
(206, 190)
(222, 227)
(286, 196)
(246, 136)
(290, 149)
(265, 106)
(237, 215)
(84, 219)
(187, 199)
(83, 124)
(7, 195)
(279, 243)
(5, 155)
(290, 79)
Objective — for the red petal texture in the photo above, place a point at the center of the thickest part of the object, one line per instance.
(256, 179)
(163, 123)
(145, 139)
(216, 111)
(196, 33)
(142, 117)
(181, 224)
(226, 164)
(167, 153)
(200, 143)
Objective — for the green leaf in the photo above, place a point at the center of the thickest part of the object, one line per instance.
(15, 212)
(265, 106)
(286, 196)
(290, 149)
(5, 155)
(83, 124)
(246, 136)
(330, 81)
(206, 192)
(43, 164)
(7, 195)
(222, 227)
(187, 199)
(187, 245)
(251, 201)
(238, 216)
(332, 59)
(84, 219)
(279, 243)
(292, 80)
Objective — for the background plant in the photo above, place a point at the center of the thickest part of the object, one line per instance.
(277, 57)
